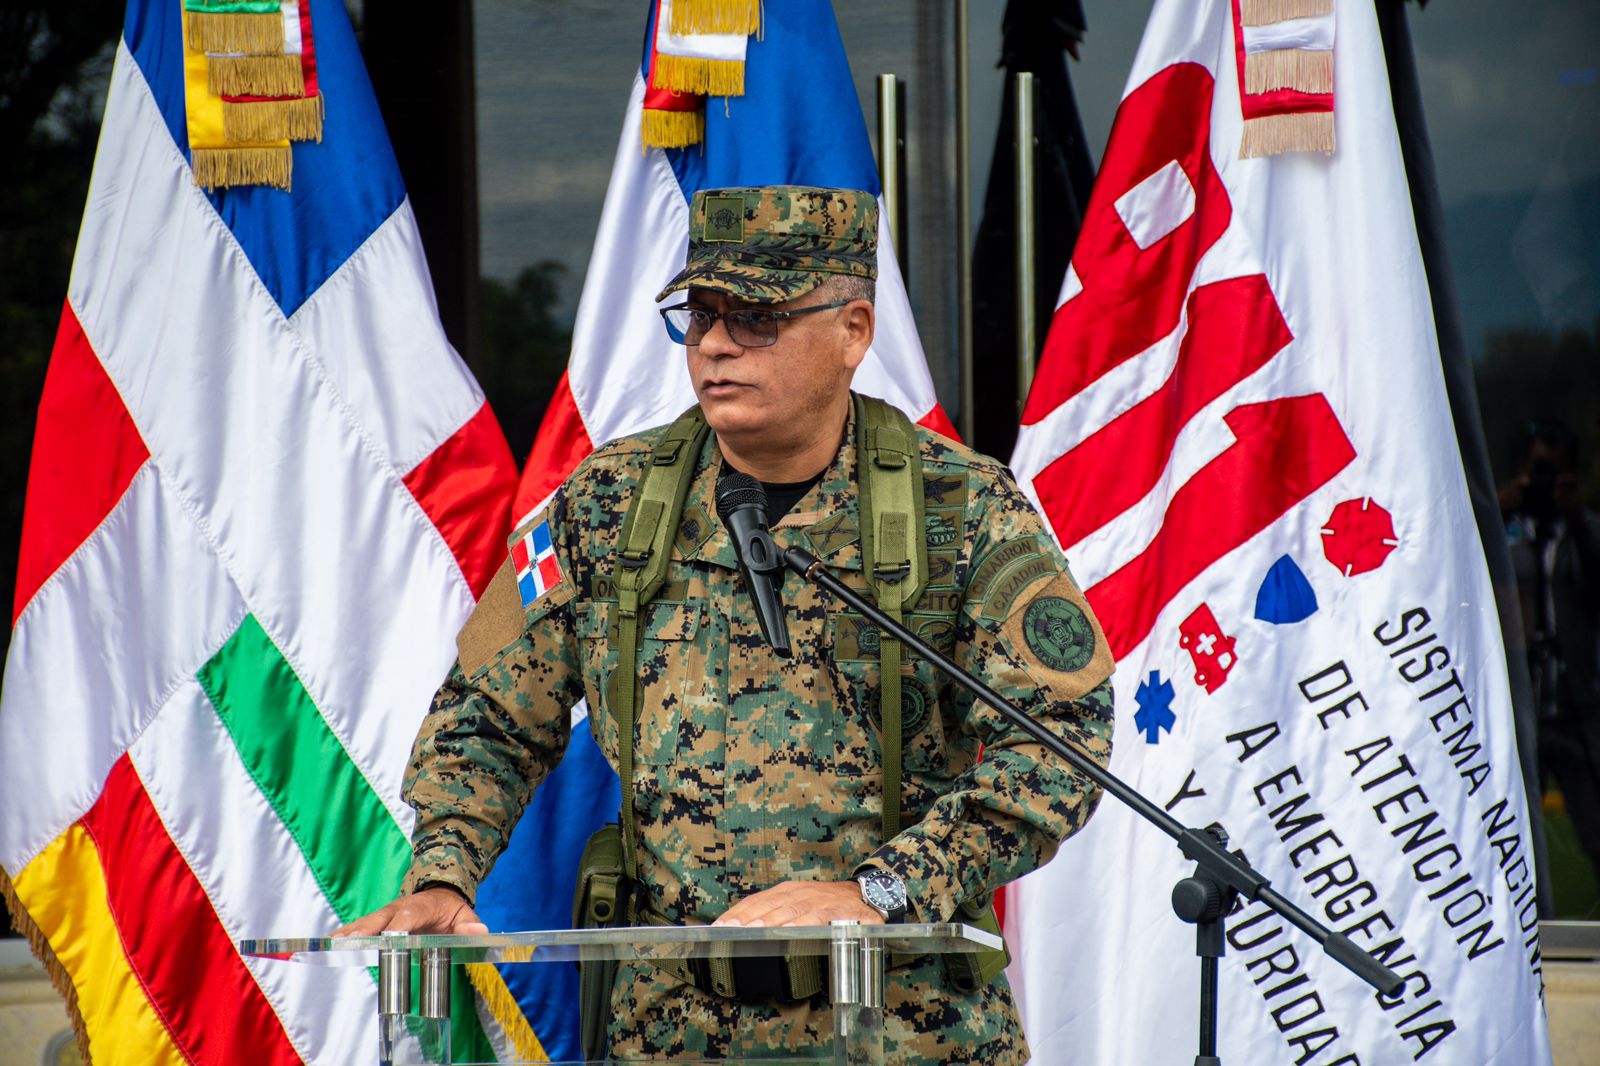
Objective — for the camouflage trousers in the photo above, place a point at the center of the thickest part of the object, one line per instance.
(657, 1017)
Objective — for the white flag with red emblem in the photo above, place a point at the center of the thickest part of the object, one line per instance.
(1239, 435)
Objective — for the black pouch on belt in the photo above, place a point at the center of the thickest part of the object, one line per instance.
(600, 902)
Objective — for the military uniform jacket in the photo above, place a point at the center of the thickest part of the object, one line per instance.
(751, 770)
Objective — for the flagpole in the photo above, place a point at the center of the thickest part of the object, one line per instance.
(963, 226)
(1027, 339)
(891, 162)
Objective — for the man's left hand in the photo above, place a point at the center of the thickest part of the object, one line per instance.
(803, 903)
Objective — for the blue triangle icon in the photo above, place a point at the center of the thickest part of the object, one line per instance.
(1285, 595)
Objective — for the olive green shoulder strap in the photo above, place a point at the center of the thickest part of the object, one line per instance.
(647, 536)
(894, 555)
(894, 559)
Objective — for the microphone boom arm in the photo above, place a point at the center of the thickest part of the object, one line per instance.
(1215, 863)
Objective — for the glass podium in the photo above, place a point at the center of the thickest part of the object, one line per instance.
(854, 955)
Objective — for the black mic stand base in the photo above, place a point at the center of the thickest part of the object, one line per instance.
(1204, 901)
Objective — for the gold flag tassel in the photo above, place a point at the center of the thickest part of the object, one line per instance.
(254, 121)
(268, 75)
(701, 77)
(672, 129)
(717, 16)
(1266, 12)
(507, 1011)
(1305, 70)
(59, 977)
(216, 168)
(242, 32)
(1276, 134)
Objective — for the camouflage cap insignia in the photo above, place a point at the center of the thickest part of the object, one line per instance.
(724, 219)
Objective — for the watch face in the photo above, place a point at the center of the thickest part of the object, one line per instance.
(884, 892)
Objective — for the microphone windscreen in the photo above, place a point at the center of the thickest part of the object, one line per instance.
(738, 489)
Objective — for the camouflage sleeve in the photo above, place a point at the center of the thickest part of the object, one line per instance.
(498, 725)
(1027, 631)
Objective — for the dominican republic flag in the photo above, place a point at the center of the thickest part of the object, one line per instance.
(1240, 437)
(798, 122)
(534, 558)
(264, 494)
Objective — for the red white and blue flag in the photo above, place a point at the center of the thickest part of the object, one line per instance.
(1240, 437)
(264, 494)
(766, 136)
(533, 556)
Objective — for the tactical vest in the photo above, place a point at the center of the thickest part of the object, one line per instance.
(894, 558)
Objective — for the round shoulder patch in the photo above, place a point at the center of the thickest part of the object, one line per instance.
(1059, 633)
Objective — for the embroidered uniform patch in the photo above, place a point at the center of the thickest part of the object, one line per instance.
(534, 557)
(1059, 633)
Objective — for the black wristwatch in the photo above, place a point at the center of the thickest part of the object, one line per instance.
(884, 893)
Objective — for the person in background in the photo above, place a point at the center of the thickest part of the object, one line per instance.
(1555, 550)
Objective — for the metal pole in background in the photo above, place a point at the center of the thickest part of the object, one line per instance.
(1027, 326)
(891, 160)
(963, 226)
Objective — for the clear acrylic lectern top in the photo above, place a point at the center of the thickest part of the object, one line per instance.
(855, 956)
(640, 942)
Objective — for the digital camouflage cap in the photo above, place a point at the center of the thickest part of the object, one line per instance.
(777, 242)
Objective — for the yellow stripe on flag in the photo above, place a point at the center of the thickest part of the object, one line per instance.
(64, 892)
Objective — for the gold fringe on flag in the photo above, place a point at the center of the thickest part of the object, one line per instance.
(1266, 12)
(59, 978)
(255, 121)
(702, 77)
(269, 75)
(672, 129)
(221, 167)
(243, 32)
(491, 987)
(715, 16)
(1307, 70)
(1276, 134)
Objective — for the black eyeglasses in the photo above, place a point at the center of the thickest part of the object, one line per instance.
(748, 327)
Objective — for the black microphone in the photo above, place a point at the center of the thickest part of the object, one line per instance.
(742, 506)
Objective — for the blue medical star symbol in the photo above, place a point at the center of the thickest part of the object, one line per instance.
(1154, 698)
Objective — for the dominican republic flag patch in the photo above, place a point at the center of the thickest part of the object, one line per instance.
(534, 556)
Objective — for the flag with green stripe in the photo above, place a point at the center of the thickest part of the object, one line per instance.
(263, 497)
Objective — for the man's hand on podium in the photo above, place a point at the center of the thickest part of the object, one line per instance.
(803, 903)
(439, 909)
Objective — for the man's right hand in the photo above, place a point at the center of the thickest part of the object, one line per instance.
(433, 910)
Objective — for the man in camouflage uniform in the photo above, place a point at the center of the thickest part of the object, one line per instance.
(758, 780)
